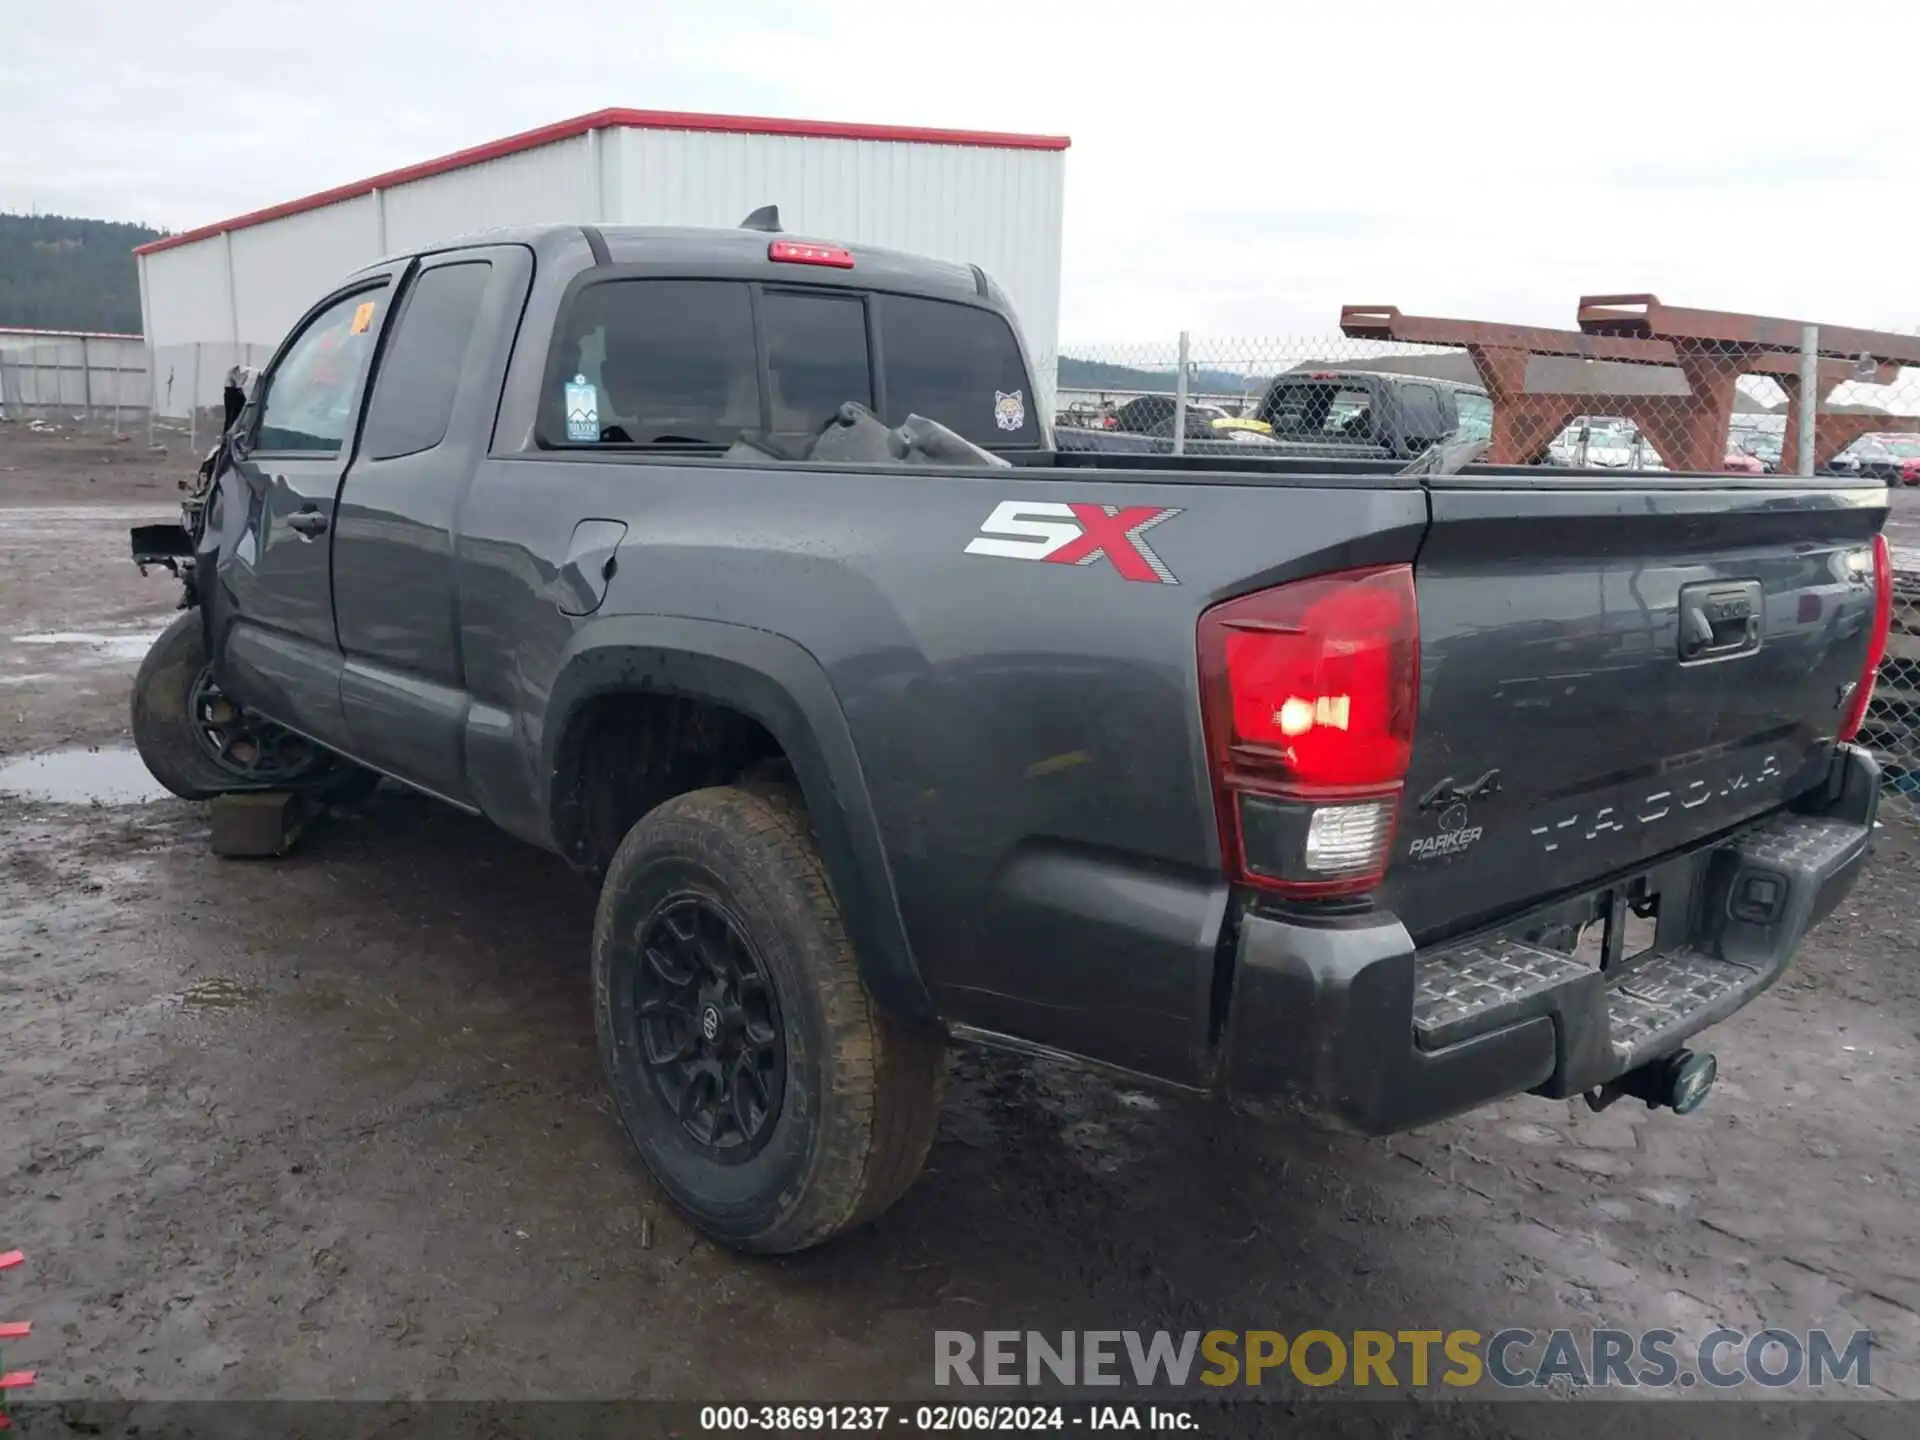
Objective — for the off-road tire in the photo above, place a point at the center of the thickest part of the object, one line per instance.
(862, 1089)
(163, 728)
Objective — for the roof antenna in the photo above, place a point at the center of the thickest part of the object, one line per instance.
(767, 218)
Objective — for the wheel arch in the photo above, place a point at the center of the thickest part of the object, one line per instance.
(778, 684)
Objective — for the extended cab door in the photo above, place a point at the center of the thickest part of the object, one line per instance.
(429, 421)
(274, 621)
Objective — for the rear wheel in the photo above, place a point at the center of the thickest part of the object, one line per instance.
(769, 1096)
(199, 743)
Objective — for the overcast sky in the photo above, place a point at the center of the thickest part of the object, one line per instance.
(1237, 169)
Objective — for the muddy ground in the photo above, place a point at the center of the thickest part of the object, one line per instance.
(333, 1125)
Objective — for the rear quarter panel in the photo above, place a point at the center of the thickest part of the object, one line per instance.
(1028, 732)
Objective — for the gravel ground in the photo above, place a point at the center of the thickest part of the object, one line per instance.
(333, 1125)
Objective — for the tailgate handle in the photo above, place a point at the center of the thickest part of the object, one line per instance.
(1719, 620)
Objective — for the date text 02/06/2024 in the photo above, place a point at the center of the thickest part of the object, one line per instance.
(942, 1418)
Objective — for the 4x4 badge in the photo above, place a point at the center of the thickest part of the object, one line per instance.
(1447, 792)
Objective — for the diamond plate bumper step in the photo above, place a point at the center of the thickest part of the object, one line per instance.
(1669, 995)
(1483, 986)
(1624, 1019)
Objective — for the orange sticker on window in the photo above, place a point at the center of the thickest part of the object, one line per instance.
(362, 318)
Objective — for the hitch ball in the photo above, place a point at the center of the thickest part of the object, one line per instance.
(1678, 1082)
(1688, 1079)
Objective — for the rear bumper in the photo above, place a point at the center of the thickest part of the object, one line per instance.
(1353, 1021)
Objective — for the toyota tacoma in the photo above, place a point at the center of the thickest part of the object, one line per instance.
(741, 571)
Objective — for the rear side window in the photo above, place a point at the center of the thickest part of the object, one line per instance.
(1476, 414)
(420, 372)
(1325, 410)
(1420, 417)
(958, 365)
(654, 362)
(816, 357)
(661, 363)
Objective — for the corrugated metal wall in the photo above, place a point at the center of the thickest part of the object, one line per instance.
(532, 188)
(1000, 209)
(282, 268)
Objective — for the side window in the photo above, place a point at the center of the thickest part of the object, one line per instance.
(1289, 408)
(959, 365)
(654, 362)
(816, 357)
(1420, 416)
(1319, 411)
(308, 406)
(1476, 414)
(420, 371)
(1350, 414)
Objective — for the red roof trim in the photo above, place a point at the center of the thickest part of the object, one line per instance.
(603, 120)
(71, 334)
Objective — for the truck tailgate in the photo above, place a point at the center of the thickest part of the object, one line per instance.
(1611, 672)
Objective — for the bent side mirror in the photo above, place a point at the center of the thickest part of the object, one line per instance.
(241, 384)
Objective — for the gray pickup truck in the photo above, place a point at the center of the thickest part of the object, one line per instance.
(741, 571)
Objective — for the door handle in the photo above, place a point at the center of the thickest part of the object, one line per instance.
(309, 522)
(1720, 621)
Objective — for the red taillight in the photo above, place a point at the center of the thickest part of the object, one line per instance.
(799, 252)
(1308, 694)
(1856, 714)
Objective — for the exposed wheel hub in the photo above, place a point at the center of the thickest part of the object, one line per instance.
(709, 1027)
(245, 746)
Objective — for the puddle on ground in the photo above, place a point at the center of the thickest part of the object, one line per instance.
(131, 645)
(216, 993)
(82, 777)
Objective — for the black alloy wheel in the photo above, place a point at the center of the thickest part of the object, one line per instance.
(708, 1022)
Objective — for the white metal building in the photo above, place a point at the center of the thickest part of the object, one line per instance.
(228, 291)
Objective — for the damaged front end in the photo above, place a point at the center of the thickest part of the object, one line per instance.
(173, 546)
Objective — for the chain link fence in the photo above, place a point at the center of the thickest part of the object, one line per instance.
(173, 392)
(1638, 388)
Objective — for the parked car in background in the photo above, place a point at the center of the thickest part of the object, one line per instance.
(1891, 456)
(1743, 462)
(1153, 415)
(1144, 425)
(1603, 443)
(1763, 444)
(1373, 412)
(1329, 414)
(1083, 416)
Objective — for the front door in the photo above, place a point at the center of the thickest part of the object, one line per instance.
(279, 653)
